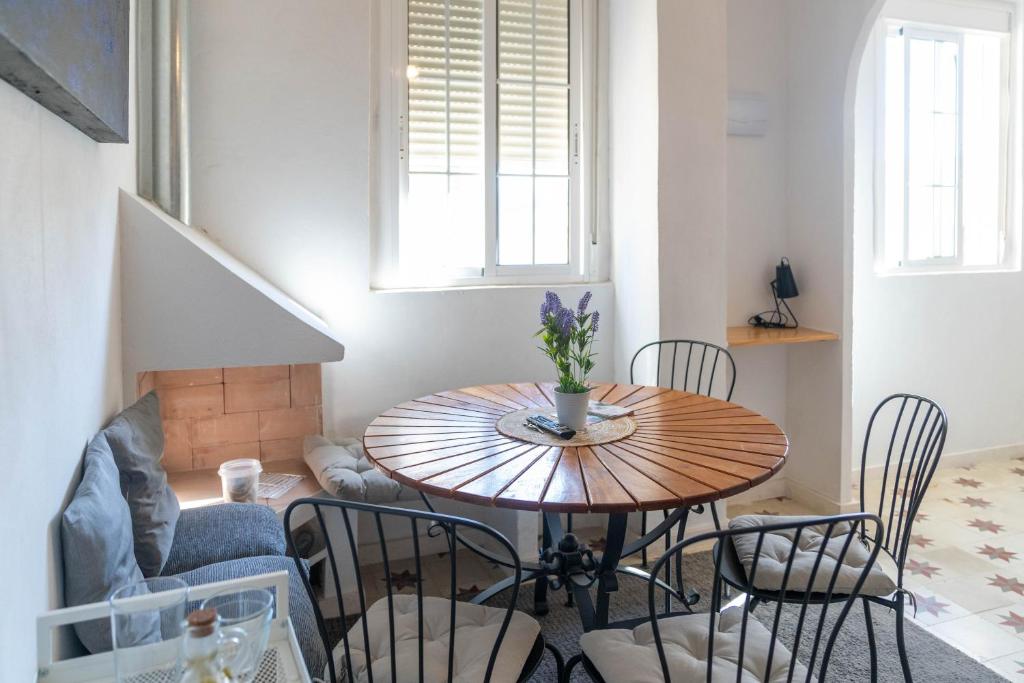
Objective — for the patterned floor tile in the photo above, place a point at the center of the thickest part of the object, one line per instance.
(956, 561)
(1010, 666)
(1007, 584)
(978, 637)
(972, 593)
(998, 553)
(933, 608)
(1012, 620)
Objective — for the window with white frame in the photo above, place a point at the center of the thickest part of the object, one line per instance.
(945, 94)
(482, 111)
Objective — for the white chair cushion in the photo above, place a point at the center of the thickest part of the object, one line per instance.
(476, 630)
(631, 656)
(344, 472)
(775, 549)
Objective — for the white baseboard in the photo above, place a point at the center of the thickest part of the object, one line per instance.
(818, 503)
(773, 488)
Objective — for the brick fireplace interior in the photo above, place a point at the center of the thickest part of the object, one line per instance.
(217, 414)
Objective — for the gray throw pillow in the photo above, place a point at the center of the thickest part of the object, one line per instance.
(136, 438)
(96, 542)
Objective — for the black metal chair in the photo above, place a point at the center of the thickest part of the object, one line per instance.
(406, 637)
(904, 484)
(729, 642)
(912, 451)
(698, 376)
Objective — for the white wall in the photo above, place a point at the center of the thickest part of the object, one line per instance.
(281, 117)
(60, 350)
(692, 75)
(952, 337)
(632, 100)
(820, 198)
(756, 192)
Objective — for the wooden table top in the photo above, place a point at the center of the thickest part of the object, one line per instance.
(687, 449)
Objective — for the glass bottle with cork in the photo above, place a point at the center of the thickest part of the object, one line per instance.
(205, 647)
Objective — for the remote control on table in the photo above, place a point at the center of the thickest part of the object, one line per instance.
(551, 427)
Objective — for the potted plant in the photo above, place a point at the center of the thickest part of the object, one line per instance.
(568, 338)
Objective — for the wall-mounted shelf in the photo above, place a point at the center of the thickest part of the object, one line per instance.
(746, 335)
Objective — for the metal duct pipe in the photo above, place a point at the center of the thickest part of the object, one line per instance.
(163, 105)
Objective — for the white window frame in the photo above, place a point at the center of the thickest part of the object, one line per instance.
(392, 159)
(947, 20)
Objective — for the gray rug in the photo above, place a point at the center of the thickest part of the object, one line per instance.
(930, 658)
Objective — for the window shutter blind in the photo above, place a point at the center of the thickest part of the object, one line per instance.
(533, 131)
(533, 70)
(445, 75)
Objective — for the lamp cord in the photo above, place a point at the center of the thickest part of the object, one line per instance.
(775, 318)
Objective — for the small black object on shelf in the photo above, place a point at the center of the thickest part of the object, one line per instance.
(783, 287)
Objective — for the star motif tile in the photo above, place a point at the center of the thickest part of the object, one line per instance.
(1007, 584)
(994, 553)
(1019, 471)
(1014, 621)
(967, 482)
(924, 569)
(967, 468)
(920, 541)
(985, 525)
(404, 579)
(921, 517)
(931, 605)
(976, 502)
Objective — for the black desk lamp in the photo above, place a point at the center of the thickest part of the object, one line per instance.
(783, 287)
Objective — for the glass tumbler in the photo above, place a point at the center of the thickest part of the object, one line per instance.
(247, 614)
(147, 624)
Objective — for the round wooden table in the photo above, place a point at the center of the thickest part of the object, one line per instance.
(677, 450)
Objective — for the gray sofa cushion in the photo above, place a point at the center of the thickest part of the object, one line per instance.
(775, 549)
(136, 438)
(299, 607)
(344, 472)
(96, 542)
(237, 529)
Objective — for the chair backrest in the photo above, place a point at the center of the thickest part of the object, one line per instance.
(687, 364)
(811, 610)
(450, 531)
(914, 433)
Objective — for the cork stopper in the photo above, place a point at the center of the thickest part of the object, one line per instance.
(202, 621)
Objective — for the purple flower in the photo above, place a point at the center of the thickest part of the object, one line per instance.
(594, 320)
(565, 320)
(552, 305)
(581, 308)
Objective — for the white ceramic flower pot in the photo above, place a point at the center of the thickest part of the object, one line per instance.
(572, 409)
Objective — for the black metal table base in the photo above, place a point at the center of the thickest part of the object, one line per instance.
(568, 564)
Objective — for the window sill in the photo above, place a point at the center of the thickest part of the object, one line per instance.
(941, 270)
(488, 286)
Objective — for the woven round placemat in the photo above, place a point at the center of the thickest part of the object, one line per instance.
(513, 425)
